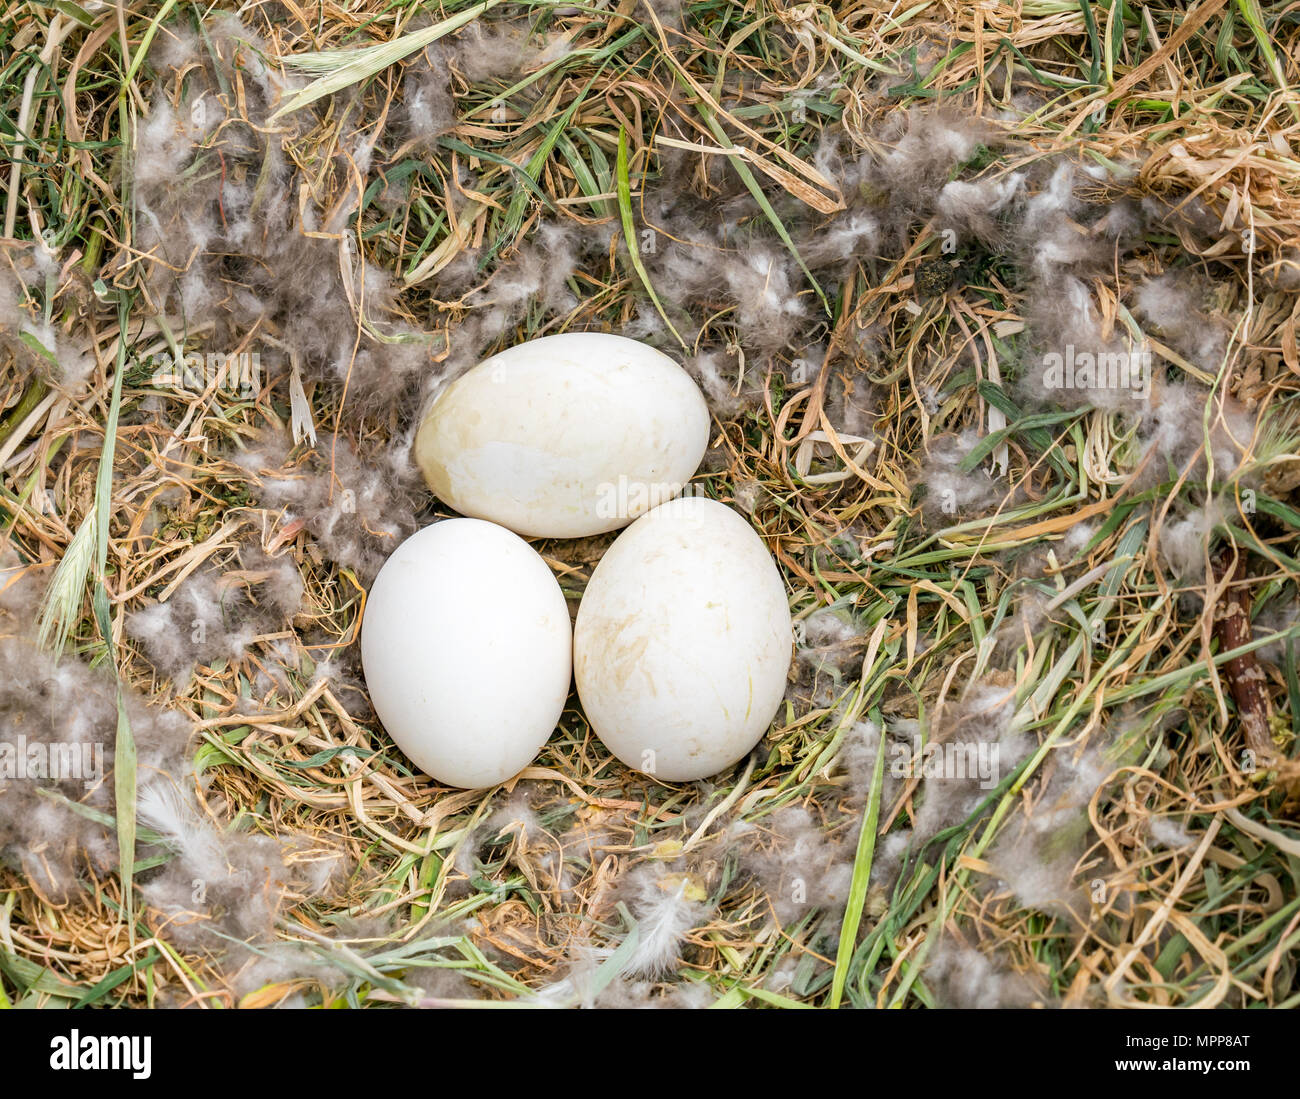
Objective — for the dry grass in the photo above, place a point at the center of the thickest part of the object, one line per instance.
(1200, 100)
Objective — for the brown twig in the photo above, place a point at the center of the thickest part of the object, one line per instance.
(1244, 673)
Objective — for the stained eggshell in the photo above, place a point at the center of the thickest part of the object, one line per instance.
(466, 646)
(564, 436)
(683, 641)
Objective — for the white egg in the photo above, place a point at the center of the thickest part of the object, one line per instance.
(565, 436)
(466, 646)
(683, 641)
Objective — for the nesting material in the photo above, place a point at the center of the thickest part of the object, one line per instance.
(58, 723)
(901, 290)
(217, 614)
(356, 506)
(966, 977)
(953, 492)
(1173, 305)
(664, 907)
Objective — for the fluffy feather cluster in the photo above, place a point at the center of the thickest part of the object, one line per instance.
(223, 889)
(58, 723)
(217, 614)
(217, 890)
(28, 331)
(235, 253)
(356, 507)
(963, 976)
(801, 865)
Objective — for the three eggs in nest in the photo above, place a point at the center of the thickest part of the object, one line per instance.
(682, 638)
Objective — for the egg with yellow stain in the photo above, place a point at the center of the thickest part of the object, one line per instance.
(682, 641)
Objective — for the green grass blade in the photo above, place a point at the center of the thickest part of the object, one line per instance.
(1254, 17)
(624, 187)
(748, 178)
(861, 879)
(142, 50)
(760, 196)
(106, 984)
(124, 759)
(341, 69)
(124, 790)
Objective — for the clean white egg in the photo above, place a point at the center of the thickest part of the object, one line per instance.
(683, 641)
(565, 436)
(466, 646)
